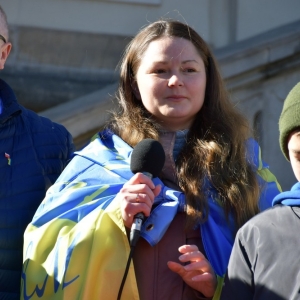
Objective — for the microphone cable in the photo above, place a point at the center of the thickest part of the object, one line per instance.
(125, 273)
(135, 233)
(143, 155)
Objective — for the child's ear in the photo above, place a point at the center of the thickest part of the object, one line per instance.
(136, 90)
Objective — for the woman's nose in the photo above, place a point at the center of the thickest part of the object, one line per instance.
(175, 80)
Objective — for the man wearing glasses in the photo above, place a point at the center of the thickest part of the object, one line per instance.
(33, 153)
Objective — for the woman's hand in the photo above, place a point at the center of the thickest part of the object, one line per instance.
(198, 274)
(137, 195)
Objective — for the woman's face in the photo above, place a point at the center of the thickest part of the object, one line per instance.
(171, 82)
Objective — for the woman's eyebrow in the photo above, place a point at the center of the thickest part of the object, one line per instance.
(166, 62)
(190, 60)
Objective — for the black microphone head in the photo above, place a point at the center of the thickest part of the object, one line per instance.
(147, 156)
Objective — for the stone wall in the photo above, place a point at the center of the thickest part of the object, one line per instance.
(259, 73)
(50, 67)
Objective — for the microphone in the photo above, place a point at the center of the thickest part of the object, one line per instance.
(148, 157)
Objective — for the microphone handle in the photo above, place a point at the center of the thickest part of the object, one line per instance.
(137, 222)
(135, 230)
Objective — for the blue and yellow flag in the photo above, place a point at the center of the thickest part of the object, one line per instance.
(76, 246)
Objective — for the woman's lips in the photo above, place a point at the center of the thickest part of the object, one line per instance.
(176, 97)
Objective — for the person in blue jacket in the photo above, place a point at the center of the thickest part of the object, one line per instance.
(265, 260)
(213, 180)
(33, 153)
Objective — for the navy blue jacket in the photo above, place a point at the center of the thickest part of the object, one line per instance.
(33, 153)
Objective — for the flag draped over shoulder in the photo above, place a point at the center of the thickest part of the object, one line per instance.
(76, 246)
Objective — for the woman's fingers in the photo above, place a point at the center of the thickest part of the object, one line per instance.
(196, 270)
(188, 248)
(137, 195)
(175, 267)
(140, 178)
(196, 259)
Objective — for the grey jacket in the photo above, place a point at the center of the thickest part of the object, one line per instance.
(265, 260)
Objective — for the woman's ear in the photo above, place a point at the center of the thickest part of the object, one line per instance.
(135, 90)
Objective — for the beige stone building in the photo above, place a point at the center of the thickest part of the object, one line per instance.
(65, 56)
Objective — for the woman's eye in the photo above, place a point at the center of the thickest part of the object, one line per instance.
(190, 70)
(159, 71)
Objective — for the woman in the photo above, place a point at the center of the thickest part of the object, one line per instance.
(171, 91)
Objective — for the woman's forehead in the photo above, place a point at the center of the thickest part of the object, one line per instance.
(169, 46)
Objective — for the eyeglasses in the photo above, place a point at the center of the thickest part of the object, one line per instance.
(2, 38)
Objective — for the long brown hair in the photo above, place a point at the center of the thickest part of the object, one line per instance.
(215, 148)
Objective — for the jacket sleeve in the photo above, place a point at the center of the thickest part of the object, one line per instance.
(70, 147)
(239, 276)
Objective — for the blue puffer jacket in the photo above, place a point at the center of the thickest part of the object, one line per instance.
(33, 153)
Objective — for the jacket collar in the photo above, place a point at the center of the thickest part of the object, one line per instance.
(10, 106)
(289, 198)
